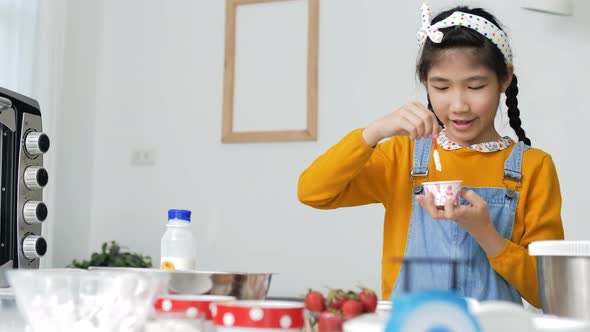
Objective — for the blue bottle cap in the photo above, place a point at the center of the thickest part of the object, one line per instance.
(179, 214)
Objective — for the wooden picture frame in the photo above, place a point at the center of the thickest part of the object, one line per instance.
(309, 133)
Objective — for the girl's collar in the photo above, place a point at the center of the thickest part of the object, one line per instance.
(493, 146)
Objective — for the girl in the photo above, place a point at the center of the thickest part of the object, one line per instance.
(510, 194)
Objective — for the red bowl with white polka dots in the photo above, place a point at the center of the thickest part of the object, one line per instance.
(188, 306)
(261, 315)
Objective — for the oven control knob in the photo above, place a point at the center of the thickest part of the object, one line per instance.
(34, 212)
(34, 246)
(36, 143)
(35, 177)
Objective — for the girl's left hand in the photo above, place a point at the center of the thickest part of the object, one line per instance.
(468, 216)
(474, 218)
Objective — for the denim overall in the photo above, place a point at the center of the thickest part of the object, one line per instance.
(446, 240)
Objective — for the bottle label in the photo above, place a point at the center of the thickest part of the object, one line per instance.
(177, 263)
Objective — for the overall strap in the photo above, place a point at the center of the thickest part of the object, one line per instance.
(421, 158)
(513, 169)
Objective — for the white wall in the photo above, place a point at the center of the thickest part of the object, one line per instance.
(71, 156)
(149, 74)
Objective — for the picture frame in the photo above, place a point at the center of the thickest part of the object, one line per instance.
(295, 88)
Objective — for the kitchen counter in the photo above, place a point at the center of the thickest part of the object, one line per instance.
(12, 321)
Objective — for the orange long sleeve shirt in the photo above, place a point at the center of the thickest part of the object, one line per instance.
(352, 173)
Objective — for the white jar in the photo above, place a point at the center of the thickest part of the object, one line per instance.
(178, 246)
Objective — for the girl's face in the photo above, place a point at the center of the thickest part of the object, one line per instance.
(465, 96)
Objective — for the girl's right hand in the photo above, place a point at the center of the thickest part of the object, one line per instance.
(413, 119)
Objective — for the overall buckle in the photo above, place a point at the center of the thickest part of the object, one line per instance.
(415, 173)
(511, 184)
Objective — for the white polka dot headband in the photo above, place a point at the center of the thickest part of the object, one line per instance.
(477, 23)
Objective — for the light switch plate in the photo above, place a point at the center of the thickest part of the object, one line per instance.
(143, 156)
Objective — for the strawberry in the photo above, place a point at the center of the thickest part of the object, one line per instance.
(368, 299)
(330, 322)
(314, 301)
(352, 295)
(352, 308)
(335, 298)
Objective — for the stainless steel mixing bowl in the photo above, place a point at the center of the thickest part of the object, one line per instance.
(247, 286)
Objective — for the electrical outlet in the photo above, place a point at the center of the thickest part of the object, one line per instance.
(143, 157)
